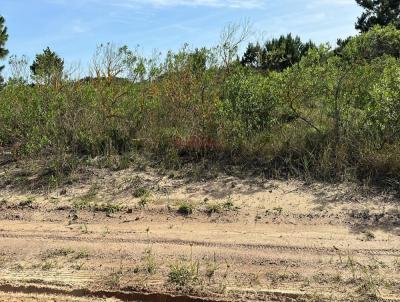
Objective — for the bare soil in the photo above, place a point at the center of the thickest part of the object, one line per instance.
(129, 236)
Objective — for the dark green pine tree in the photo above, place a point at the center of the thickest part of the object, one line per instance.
(47, 67)
(253, 57)
(3, 40)
(277, 54)
(285, 52)
(378, 12)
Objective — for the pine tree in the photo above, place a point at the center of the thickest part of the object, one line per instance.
(276, 54)
(253, 56)
(47, 67)
(3, 40)
(378, 12)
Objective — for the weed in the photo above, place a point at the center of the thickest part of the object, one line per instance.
(211, 268)
(369, 285)
(108, 208)
(114, 279)
(144, 201)
(183, 275)
(185, 208)
(229, 205)
(352, 265)
(91, 194)
(140, 192)
(61, 252)
(149, 262)
(212, 208)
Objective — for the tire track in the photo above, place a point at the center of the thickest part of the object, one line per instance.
(206, 244)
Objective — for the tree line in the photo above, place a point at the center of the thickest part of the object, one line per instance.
(289, 107)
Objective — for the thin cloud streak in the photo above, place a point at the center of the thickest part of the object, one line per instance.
(238, 4)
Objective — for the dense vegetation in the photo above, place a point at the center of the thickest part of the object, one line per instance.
(378, 12)
(326, 114)
(3, 40)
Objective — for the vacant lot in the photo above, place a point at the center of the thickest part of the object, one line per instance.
(143, 236)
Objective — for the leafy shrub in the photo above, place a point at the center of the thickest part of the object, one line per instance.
(183, 275)
(185, 208)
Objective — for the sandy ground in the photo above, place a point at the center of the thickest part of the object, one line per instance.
(248, 239)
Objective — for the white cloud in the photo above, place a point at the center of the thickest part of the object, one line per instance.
(316, 3)
(213, 3)
(167, 3)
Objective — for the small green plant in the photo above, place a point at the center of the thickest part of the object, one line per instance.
(211, 268)
(369, 285)
(214, 207)
(140, 192)
(351, 264)
(185, 208)
(229, 205)
(108, 208)
(114, 279)
(61, 252)
(149, 262)
(94, 188)
(184, 275)
(144, 201)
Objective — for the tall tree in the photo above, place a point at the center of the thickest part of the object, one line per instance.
(378, 12)
(285, 51)
(3, 40)
(277, 54)
(47, 67)
(254, 56)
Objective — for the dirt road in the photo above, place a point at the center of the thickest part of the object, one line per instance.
(140, 236)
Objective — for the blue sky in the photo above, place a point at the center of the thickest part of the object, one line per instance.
(73, 28)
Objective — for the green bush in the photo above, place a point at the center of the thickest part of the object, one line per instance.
(185, 208)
